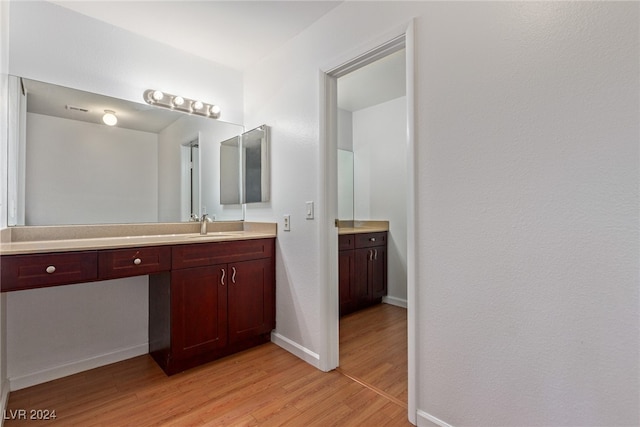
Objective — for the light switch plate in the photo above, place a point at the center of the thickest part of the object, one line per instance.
(309, 210)
(287, 223)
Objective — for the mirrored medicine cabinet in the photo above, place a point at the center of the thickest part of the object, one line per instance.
(244, 168)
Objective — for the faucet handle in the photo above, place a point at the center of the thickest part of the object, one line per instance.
(205, 217)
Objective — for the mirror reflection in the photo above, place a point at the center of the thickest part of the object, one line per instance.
(230, 171)
(345, 184)
(69, 167)
(255, 165)
(244, 167)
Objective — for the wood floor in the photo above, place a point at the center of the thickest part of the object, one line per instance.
(263, 386)
(373, 349)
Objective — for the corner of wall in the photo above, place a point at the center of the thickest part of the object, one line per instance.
(4, 82)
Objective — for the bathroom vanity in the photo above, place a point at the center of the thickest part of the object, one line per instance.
(362, 264)
(209, 295)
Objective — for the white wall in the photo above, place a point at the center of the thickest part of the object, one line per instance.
(87, 173)
(527, 186)
(4, 121)
(58, 331)
(528, 193)
(380, 181)
(55, 45)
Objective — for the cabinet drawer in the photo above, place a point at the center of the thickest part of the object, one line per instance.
(185, 256)
(368, 240)
(37, 271)
(133, 262)
(346, 241)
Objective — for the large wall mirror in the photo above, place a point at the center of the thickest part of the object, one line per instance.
(69, 167)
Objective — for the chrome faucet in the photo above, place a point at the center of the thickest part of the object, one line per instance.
(203, 224)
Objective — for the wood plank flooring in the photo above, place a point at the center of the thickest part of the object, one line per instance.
(373, 349)
(263, 386)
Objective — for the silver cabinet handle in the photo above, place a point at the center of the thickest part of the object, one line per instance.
(370, 254)
(51, 269)
(376, 255)
(233, 275)
(137, 261)
(373, 239)
(222, 278)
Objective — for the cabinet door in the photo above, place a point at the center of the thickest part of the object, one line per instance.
(362, 289)
(378, 272)
(347, 277)
(199, 310)
(251, 299)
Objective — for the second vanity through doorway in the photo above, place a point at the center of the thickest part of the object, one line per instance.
(372, 182)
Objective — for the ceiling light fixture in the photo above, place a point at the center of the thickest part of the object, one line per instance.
(179, 103)
(109, 118)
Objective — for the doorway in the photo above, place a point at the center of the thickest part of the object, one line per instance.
(190, 182)
(378, 196)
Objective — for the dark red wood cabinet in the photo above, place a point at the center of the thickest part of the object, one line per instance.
(362, 270)
(206, 300)
(222, 302)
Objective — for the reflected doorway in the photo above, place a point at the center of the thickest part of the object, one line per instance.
(191, 180)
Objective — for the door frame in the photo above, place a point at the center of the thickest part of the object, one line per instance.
(328, 195)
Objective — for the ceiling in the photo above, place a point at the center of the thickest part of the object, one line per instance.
(72, 104)
(232, 33)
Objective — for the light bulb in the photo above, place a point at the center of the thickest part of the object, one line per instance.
(157, 95)
(197, 105)
(214, 110)
(109, 118)
(178, 101)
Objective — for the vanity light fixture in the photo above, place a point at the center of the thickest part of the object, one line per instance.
(179, 103)
(109, 118)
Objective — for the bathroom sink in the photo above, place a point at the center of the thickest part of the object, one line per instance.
(210, 234)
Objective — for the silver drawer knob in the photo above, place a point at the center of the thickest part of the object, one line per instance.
(137, 261)
(373, 239)
(51, 269)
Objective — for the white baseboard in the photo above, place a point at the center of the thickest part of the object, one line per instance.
(296, 349)
(395, 301)
(428, 420)
(50, 374)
